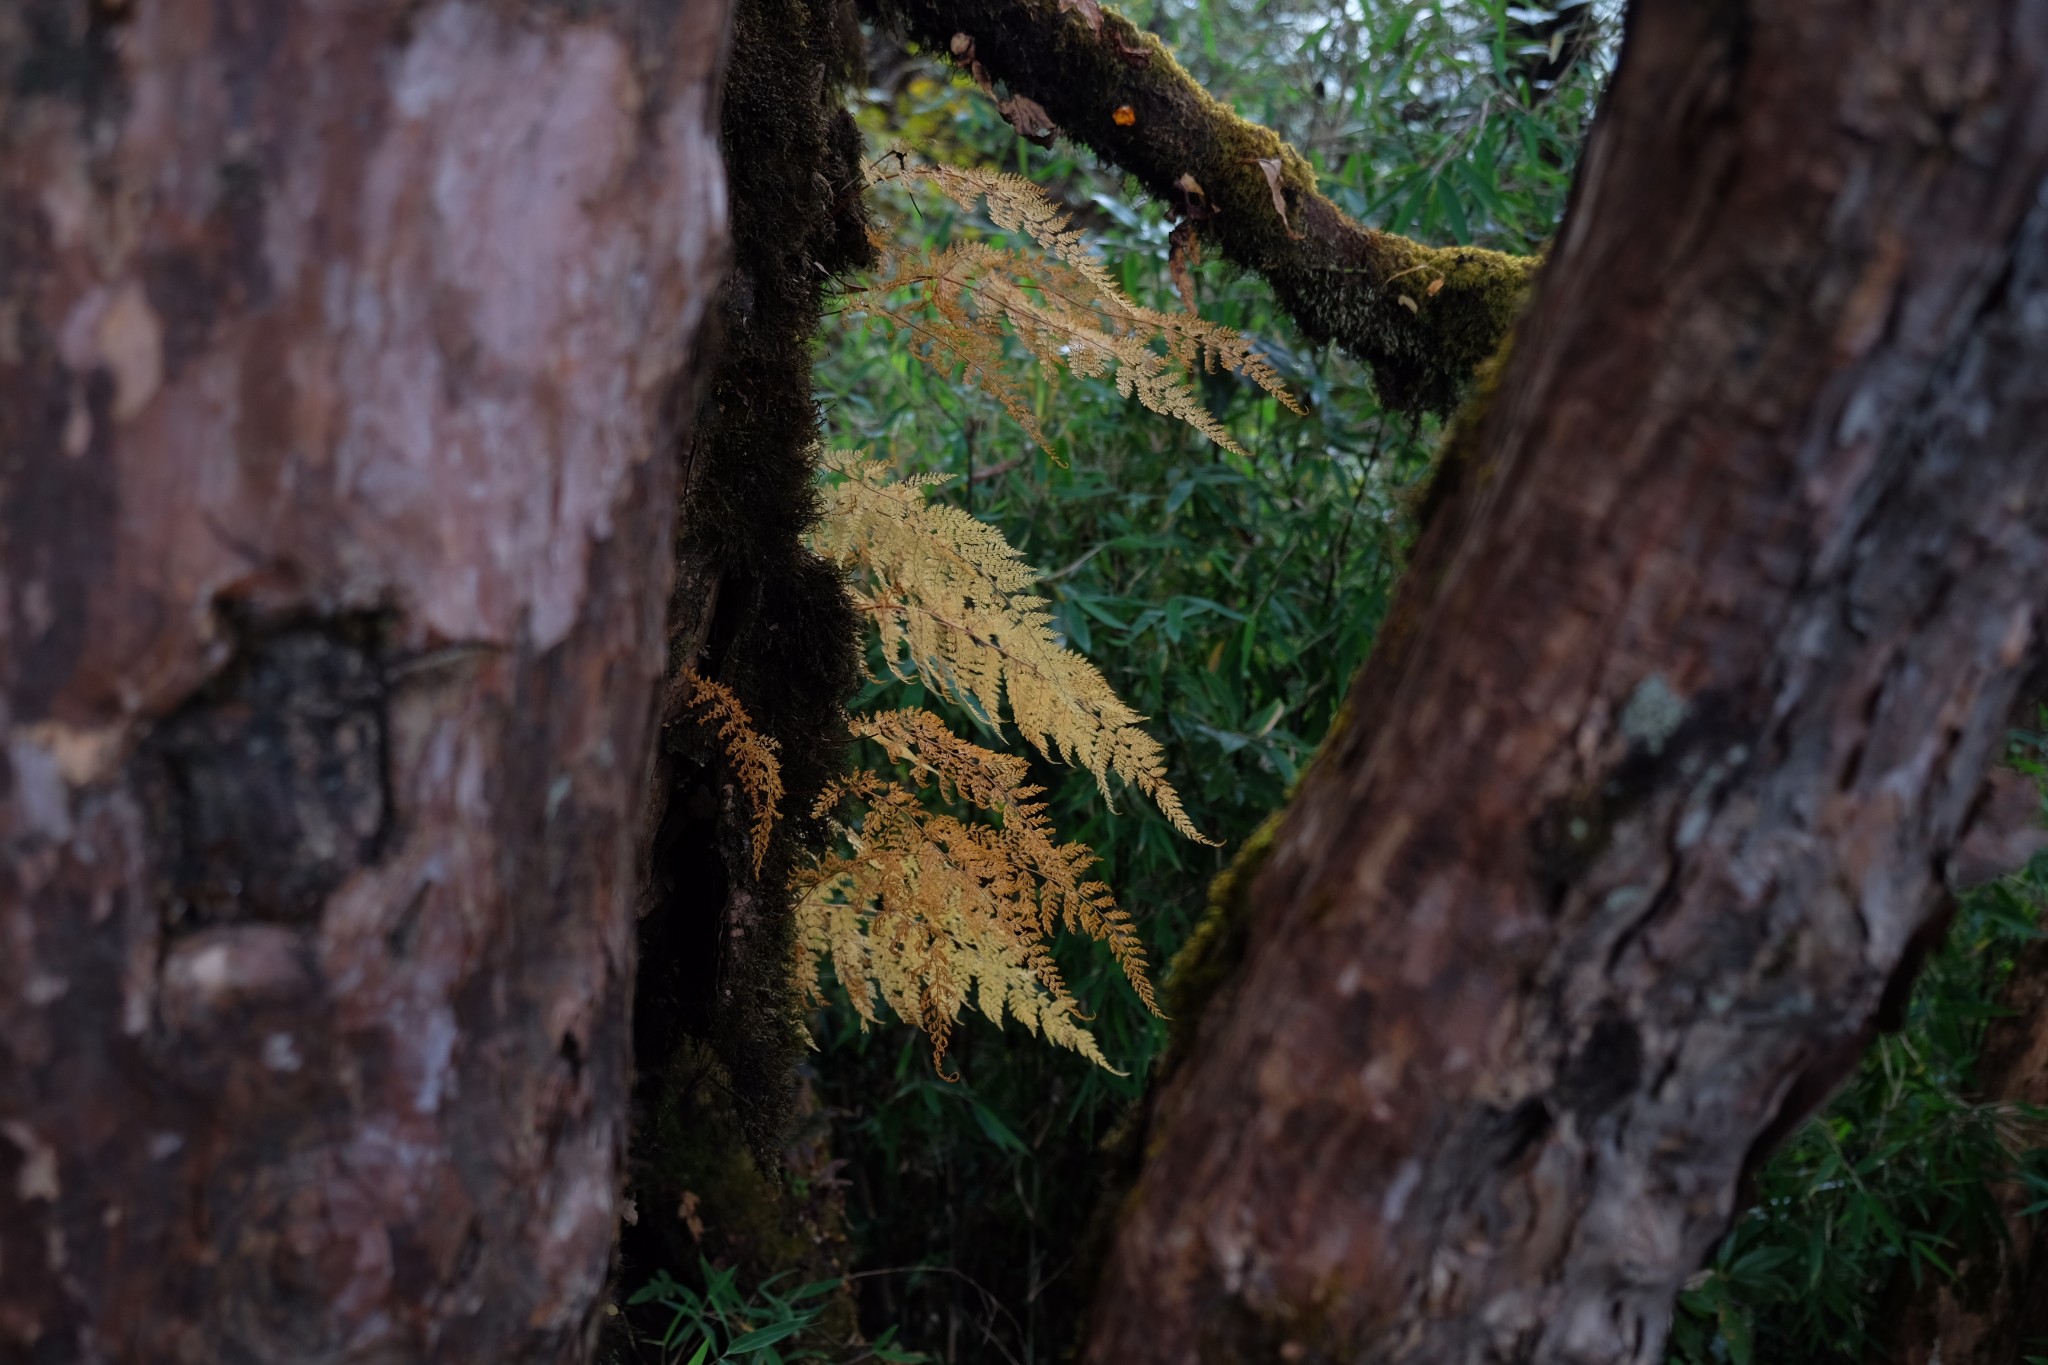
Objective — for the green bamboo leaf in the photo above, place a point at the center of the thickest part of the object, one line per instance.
(769, 1335)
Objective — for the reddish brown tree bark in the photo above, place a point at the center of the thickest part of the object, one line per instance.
(341, 356)
(1687, 700)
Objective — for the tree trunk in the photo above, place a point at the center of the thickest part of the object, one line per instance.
(1996, 1310)
(343, 348)
(1688, 697)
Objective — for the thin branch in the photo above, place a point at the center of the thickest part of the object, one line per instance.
(1334, 275)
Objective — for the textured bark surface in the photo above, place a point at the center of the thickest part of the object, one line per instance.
(1996, 1311)
(1687, 699)
(340, 354)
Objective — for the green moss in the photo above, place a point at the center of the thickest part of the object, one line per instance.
(698, 1153)
(1206, 962)
(1213, 951)
(1216, 945)
(701, 1193)
(1457, 454)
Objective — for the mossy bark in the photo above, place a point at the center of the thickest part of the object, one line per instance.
(717, 1034)
(1681, 713)
(1421, 317)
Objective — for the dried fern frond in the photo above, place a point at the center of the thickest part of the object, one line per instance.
(751, 754)
(952, 601)
(1062, 306)
(931, 912)
(1015, 204)
(997, 783)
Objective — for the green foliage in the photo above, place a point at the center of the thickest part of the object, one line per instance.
(722, 1325)
(1426, 119)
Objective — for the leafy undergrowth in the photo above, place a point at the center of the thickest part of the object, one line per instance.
(723, 1324)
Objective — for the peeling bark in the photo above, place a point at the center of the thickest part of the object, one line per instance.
(341, 347)
(1684, 707)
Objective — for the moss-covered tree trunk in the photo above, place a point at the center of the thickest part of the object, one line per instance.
(1686, 703)
(344, 351)
(716, 1029)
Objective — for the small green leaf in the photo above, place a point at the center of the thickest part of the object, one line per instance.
(997, 1131)
(769, 1335)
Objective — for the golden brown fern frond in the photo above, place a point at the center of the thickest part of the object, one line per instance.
(1015, 204)
(933, 913)
(1062, 306)
(925, 300)
(952, 601)
(751, 754)
(997, 783)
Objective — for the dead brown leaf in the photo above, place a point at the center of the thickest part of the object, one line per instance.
(1021, 112)
(1271, 166)
(1028, 117)
(1087, 9)
(686, 1209)
(1184, 251)
(963, 52)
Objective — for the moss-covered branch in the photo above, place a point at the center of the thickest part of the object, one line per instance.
(1422, 317)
